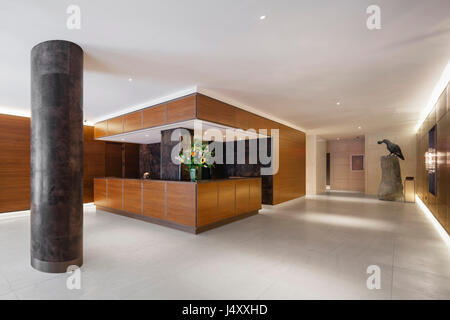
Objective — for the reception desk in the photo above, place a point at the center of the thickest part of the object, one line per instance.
(189, 206)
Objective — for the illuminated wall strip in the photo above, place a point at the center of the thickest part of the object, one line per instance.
(26, 213)
(14, 112)
(444, 235)
(23, 113)
(440, 86)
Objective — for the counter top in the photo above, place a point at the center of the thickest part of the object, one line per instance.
(177, 181)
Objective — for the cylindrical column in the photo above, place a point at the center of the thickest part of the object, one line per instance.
(56, 156)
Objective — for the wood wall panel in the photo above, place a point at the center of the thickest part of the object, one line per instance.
(131, 161)
(15, 163)
(114, 194)
(443, 173)
(132, 196)
(290, 181)
(132, 121)
(207, 202)
(93, 162)
(154, 199)
(115, 126)
(439, 205)
(113, 161)
(181, 203)
(213, 110)
(242, 196)
(254, 195)
(101, 129)
(182, 109)
(227, 200)
(100, 192)
(441, 106)
(154, 116)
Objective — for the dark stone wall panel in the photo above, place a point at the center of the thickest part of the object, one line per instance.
(150, 160)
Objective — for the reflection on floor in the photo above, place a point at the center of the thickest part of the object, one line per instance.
(318, 247)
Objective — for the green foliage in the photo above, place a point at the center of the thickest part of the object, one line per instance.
(197, 156)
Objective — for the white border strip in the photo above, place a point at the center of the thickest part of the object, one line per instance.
(444, 235)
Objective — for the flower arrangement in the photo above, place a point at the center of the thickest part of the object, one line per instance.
(197, 156)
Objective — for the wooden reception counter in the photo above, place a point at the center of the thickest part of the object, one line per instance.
(189, 206)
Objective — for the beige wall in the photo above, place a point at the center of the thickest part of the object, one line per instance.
(407, 142)
(321, 169)
(341, 175)
(316, 149)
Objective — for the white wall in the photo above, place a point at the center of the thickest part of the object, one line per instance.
(407, 142)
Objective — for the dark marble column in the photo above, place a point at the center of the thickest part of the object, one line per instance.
(56, 156)
(169, 170)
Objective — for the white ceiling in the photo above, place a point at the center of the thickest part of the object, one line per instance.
(295, 65)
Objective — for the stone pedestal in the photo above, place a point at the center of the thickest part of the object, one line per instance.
(56, 156)
(391, 187)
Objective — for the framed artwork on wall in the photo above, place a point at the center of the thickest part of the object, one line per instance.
(357, 162)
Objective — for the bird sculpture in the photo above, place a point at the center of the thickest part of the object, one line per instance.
(393, 148)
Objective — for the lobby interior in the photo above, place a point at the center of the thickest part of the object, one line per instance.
(295, 98)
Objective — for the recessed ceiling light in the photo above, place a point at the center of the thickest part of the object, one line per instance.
(338, 103)
(130, 79)
(262, 17)
(359, 127)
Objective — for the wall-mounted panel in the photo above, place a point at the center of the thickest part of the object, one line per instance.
(154, 116)
(93, 162)
(213, 110)
(115, 126)
(115, 194)
(242, 196)
(254, 202)
(441, 106)
(443, 171)
(181, 203)
(100, 192)
(439, 205)
(113, 160)
(430, 120)
(182, 109)
(131, 161)
(207, 199)
(101, 129)
(227, 201)
(154, 199)
(132, 121)
(132, 195)
(14, 163)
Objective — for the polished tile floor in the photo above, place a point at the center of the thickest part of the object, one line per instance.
(317, 247)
